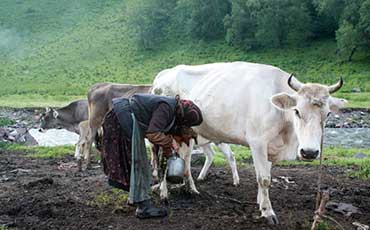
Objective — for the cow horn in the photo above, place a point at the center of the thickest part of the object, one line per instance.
(47, 109)
(294, 83)
(334, 88)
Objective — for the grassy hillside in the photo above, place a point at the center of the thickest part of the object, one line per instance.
(52, 52)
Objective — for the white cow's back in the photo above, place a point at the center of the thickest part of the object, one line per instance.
(233, 97)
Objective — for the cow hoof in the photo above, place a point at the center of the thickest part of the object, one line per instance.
(194, 191)
(272, 219)
(165, 202)
(155, 187)
(236, 182)
(200, 178)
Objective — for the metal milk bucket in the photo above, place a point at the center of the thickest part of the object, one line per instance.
(175, 169)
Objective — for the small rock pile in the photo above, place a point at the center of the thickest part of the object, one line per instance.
(21, 121)
(349, 118)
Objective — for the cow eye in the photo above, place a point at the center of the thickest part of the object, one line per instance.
(297, 113)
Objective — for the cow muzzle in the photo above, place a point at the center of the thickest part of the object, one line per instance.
(309, 154)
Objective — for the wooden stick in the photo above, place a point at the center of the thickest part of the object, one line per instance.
(319, 213)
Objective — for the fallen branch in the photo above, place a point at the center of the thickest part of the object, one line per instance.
(319, 213)
(232, 200)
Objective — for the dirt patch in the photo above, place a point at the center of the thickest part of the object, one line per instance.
(35, 194)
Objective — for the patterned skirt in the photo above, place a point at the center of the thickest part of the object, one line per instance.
(116, 154)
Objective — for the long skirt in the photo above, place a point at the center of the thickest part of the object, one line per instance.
(116, 155)
(125, 159)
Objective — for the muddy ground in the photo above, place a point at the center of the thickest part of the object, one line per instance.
(38, 194)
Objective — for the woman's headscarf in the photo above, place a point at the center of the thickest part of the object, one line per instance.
(188, 113)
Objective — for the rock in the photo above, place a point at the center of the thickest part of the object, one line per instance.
(3, 132)
(21, 131)
(29, 140)
(330, 124)
(342, 208)
(356, 90)
(13, 133)
(360, 155)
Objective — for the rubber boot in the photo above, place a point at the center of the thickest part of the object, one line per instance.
(147, 209)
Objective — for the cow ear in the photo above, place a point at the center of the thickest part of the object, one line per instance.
(283, 101)
(55, 114)
(336, 103)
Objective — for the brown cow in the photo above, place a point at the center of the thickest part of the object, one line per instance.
(100, 102)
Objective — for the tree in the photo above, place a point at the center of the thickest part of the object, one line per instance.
(354, 30)
(202, 19)
(266, 23)
(150, 20)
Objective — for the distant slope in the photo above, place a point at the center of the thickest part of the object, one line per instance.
(52, 52)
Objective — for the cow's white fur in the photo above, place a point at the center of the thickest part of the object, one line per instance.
(241, 104)
(208, 151)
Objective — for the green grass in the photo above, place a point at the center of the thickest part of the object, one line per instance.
(341, 157)
(40, 151)
(5, 121)
(54, 51)
(356, 100)
(116, 198)
(242, 156)
(34, 100)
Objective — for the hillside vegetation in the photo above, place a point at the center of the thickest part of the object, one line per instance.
(52, 52)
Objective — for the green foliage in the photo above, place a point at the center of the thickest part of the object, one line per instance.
(266, 23)
(5, 121)
(201, 19)
(354, 26)
(57, 59)
(150, 19)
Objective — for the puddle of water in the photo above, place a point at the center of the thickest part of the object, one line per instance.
(54, 137)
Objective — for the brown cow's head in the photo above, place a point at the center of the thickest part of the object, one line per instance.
(309, 106)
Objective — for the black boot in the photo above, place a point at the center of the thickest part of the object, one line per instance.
(147, 209)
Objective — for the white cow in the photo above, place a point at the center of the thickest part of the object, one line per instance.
(209, 152)
(255, 105)
(206, 146)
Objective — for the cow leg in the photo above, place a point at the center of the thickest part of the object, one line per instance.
(83, 128)
(263, 174)
(186, 150)
(87, 148)
(78, 154)
(210, 154)
(154, 160)
(225, 148)
(163, 188)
